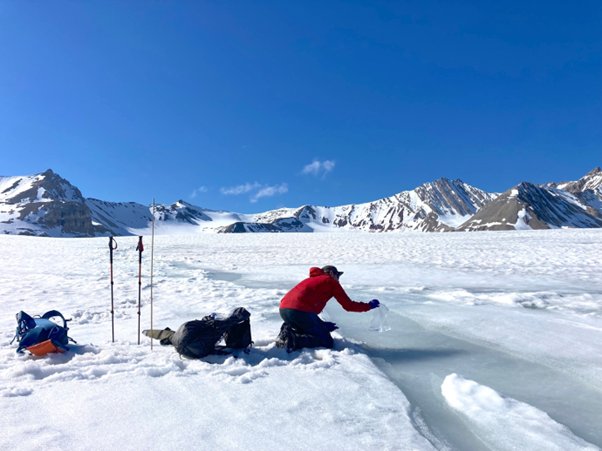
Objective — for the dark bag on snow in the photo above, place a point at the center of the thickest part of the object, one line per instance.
(41, 335)
(239, 335)
(198, 338)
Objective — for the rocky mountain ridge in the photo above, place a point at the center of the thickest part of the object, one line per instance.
(46, 204)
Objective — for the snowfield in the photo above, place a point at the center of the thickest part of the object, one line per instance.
(495, 343)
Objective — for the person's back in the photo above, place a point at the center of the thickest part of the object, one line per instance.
(312, 294)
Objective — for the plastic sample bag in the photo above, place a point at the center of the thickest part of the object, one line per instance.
(379, 321)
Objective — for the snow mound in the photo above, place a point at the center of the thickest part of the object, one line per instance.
(505, 423)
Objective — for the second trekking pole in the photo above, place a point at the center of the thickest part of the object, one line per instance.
(140, 249)
(151, 278)
(112, 247)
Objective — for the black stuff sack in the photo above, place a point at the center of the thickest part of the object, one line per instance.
(198, 338)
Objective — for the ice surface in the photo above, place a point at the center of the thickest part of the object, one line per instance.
(520, 313)
(505, 423)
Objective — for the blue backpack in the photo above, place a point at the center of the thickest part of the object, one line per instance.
(40, 335)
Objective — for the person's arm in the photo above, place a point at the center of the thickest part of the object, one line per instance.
(346, 302)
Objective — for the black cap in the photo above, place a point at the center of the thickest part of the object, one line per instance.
(332, 269)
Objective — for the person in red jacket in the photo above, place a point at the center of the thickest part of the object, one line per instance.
(299, 308)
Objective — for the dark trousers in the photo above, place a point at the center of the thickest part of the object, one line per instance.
(308, 324)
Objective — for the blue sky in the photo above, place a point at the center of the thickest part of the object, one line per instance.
(253, 105)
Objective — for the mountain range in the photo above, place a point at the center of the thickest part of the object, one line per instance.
(46, 204)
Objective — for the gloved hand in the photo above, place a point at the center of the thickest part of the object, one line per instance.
(330, 326)
(374, 303)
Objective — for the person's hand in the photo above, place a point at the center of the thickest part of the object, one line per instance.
(374, 303)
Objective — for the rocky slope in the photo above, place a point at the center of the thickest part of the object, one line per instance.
(47, 205)
(528, 206)
(432, 207)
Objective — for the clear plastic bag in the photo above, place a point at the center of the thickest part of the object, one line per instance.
(379, 321)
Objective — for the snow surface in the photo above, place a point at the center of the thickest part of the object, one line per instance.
(521, 426)
(506, 322)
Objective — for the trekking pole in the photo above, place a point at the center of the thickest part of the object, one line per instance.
(140, 249)
(151, 277)
(112, 247)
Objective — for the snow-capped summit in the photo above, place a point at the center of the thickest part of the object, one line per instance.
(592, 181)
(528, 206)
(448, 203)
(44, 187)
(183, 212)
(133, 218)
(436, 206)
(44, 204)
(588, 189)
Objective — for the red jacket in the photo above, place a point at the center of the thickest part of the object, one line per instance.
(312, 294)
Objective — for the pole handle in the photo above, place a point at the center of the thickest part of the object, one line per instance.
(140, 248)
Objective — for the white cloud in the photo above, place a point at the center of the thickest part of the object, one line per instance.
(269, 191)
(240, 189)
(257, 190)
(318, 167)
(197, 191)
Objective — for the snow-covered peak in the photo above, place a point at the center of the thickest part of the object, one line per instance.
(452, 197)
(529, 206)
(590, 181)
(434, 206)
(44, 187)
(47, 204)
(44, 204)
(593, 180)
